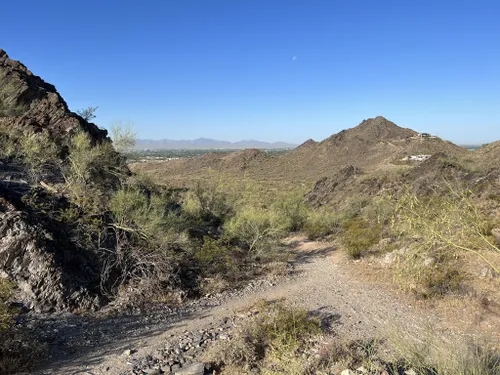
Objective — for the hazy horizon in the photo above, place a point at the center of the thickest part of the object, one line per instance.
(273, 71)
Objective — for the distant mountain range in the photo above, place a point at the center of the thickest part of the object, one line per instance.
(206, 143)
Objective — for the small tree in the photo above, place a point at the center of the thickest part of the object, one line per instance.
(88, 114)
(123, 136)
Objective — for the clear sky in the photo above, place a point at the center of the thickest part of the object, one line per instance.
(267, 69)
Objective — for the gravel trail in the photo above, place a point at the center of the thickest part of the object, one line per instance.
(322, 282)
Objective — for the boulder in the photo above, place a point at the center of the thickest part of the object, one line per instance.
(51, 274)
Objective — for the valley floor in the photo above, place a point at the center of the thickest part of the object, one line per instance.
(324, 281)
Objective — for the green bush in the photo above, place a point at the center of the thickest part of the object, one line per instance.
(359, 235)
(124, 138)
(251, 227)
(128, 206)
(91, 171)
(441, 229)
(88, 162)
(270, 341)
(38, 150)
(290, 212)
(8, 146)
(207, 199)
(215, 257)
(321, 223)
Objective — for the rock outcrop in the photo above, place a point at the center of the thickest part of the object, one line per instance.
(27, 102)
(52, 271)
(327, 187)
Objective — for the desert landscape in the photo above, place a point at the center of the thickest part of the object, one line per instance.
(373, 251)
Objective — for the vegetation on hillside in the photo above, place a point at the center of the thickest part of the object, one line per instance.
(154, 242)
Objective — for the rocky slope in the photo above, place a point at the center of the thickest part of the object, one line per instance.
(52, 272)
(374, 143)
(28, 102)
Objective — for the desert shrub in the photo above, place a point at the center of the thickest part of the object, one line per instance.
(270, 342)
(207, 199)
(9, 108)
(430, 356)
(91, 171)
(429, 274)
(321, 223)
(88, 162)
(214, 256)
(442, 229)
(37, 151)
(143, 226)
(379, 210)
(354, 206)
(123, 136)
(128, 206)
(290, 212)
(11, 111)
(8, 146)
(88, 114)
(252, 228)
(359, 235)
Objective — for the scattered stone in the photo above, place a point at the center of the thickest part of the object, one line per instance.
(192, 369)
(128, 352)
(347, 372)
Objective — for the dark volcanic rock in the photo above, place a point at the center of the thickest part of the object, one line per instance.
(51, 270)
(51, 273)
(28, 102)
(326, 188)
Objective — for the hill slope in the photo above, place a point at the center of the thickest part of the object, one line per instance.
(373, 144)
(27, 102)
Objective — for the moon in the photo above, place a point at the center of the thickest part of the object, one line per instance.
(294, 58)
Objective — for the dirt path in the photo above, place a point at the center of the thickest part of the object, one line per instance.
(323, 283)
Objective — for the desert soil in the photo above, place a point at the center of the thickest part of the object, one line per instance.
(324, 281)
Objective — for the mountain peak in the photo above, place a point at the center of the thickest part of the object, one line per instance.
(379, 128)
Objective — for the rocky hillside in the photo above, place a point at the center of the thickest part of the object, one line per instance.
(488, 156)
(28, 102)
(52, 271)
(373, 144)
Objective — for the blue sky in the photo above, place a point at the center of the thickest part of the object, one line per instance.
(267, 70)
